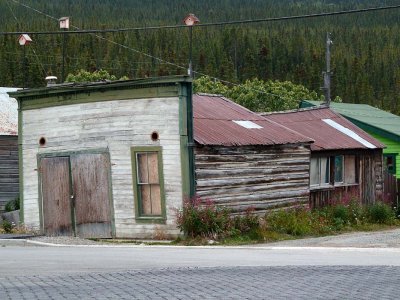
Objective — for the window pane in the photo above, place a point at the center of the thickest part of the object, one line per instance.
(145, 197)
(153, 167)
(143, 173)
(324, 170)
(314, 171)
(350, 169)
(339, 168)
(155, 200)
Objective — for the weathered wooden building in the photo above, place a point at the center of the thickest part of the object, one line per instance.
(344, 158)
(108, 159)
(243, 160)
(380, 124)
(8, 147)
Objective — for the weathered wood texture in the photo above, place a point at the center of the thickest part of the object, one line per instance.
(9, 178)
(56, 193)
(369, 185)
(257, 177)
(90, 181)
(117, 126)
(390, 191)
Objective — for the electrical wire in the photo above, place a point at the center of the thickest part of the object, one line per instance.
(262, 20)
(170, 63)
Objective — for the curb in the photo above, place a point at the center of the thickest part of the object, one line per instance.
(27, 243)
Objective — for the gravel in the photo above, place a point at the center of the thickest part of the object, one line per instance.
(376, 239)
(65, 240)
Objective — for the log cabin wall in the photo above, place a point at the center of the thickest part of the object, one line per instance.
(258, 177)
(9, 179)
(369, 185)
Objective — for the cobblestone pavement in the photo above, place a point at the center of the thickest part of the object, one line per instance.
(325, 282)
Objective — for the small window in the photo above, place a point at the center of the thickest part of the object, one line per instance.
(148, 185)
(339, 169)
(350, 169)
(320, 171)
(390, 163)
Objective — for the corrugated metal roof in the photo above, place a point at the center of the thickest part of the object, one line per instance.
(214, 124)
(8, 112)
(366, 114)
(312, 123)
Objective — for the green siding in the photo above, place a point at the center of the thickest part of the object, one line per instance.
(391, 147)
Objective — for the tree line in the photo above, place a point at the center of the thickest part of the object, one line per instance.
(365, 54)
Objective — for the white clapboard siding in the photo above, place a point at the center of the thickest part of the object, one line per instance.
(116, 125)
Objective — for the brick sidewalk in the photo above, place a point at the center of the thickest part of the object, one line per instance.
(212, 283)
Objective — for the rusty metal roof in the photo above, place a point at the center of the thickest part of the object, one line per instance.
(329, 130)
(8, 113)
(214, 124)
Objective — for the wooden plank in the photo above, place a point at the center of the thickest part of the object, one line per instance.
(91, 190)
(56, 196)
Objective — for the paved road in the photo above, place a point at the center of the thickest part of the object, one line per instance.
(304, 282)
(198, 273)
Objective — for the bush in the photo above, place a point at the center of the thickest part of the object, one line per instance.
(12, 205)
(205, 220)
(7, 226)
(247, 224)
(291, 221)
(380, 213)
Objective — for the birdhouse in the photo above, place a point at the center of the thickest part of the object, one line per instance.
(64, 23)
(191, 20)
(24, 39)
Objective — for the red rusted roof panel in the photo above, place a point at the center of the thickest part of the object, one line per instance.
(214, 124)
(310, 122)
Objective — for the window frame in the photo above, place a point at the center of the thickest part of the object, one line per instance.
(137, 200)
(331, 165)
(394, 156)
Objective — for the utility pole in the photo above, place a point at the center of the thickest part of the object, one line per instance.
(328, 73)
(64, 25)
(190, 21)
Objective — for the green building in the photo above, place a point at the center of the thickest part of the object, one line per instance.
(382, 125)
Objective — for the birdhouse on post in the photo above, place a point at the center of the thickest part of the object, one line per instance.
(191, 20)
(24, 39)
(64, 22)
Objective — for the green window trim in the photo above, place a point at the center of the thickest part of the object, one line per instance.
(390, 167)
(140, 218)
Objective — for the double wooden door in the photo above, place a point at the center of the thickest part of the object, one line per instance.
(76, 195)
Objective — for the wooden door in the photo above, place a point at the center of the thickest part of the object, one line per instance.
(90, 177)
(56, 192)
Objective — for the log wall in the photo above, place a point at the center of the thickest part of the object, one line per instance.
(9, 182)
(259, 177)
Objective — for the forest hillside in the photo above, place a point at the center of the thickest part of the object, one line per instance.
(365, 53)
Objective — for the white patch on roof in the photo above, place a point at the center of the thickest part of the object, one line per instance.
(248, 124)
(349, 133)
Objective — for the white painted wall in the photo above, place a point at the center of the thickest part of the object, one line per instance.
(117, 125)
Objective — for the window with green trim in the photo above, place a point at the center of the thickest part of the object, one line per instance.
(390, 162)
(148, 182)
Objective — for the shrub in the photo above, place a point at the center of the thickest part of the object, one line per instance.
(380, 213)
(248, 224)
(291, 221)
(7, 226)
(205, 220)
(12, 205)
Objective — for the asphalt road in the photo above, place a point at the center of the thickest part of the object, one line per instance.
(198, 273)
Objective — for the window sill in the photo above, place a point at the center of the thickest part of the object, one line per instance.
(331, 187)
(151, 220)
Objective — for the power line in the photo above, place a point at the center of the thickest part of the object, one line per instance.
(263, 20)
(182, 67)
